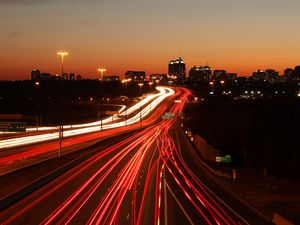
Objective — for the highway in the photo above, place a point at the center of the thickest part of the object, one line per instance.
(16, 153)
(144, 107)
(142, 179)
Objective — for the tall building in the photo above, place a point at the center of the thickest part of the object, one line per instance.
(136, 76)
(201, 73)
(177, 69)
(35, 74)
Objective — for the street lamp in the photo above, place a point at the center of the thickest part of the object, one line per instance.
(101, 70)
(141, 85)
(150, 83)
(60, 129)
(37, 84)
(62, 54)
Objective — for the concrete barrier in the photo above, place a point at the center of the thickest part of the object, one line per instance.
(206, 151)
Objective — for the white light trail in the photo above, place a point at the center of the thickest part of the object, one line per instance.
(155, 100)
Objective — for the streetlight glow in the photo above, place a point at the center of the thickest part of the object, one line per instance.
(62, 54)
(101, 70)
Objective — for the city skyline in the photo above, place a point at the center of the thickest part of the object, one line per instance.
(236, 36)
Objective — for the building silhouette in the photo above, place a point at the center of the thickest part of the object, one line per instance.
(201, 73)
(177, 70)
(35, 74)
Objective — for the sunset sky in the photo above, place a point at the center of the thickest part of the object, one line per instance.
(237, 35)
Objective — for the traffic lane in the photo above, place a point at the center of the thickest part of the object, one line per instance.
(197, 193)
(139, 203)
(52, 195)
(144, 150)
(190, 158)
(177, 209)
(196, 205)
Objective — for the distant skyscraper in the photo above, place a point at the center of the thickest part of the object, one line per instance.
(35, 74)
(177, 69)
(136, 76)
(201, 73)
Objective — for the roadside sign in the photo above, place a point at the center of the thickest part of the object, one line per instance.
(223, 159)
(12, 127)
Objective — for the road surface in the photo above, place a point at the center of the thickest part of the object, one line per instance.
(142, 179)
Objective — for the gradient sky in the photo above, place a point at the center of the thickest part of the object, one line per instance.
(237, 35)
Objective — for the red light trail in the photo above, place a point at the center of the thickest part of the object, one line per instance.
(124, 184)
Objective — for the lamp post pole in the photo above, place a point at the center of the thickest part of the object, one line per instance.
(62, 54)
(37, 84)
(141, 118)
(60, 129)
(101, 70)
(150, 83)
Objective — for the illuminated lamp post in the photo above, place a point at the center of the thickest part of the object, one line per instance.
(37, 84)
(150, 84)
(101, 70)
(60, 129)
(62, 54)
(222, 82)
(141, 85)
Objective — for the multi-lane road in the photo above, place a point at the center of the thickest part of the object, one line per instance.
(143, 179)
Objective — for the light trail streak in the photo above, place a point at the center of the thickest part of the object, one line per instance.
(94, 127)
